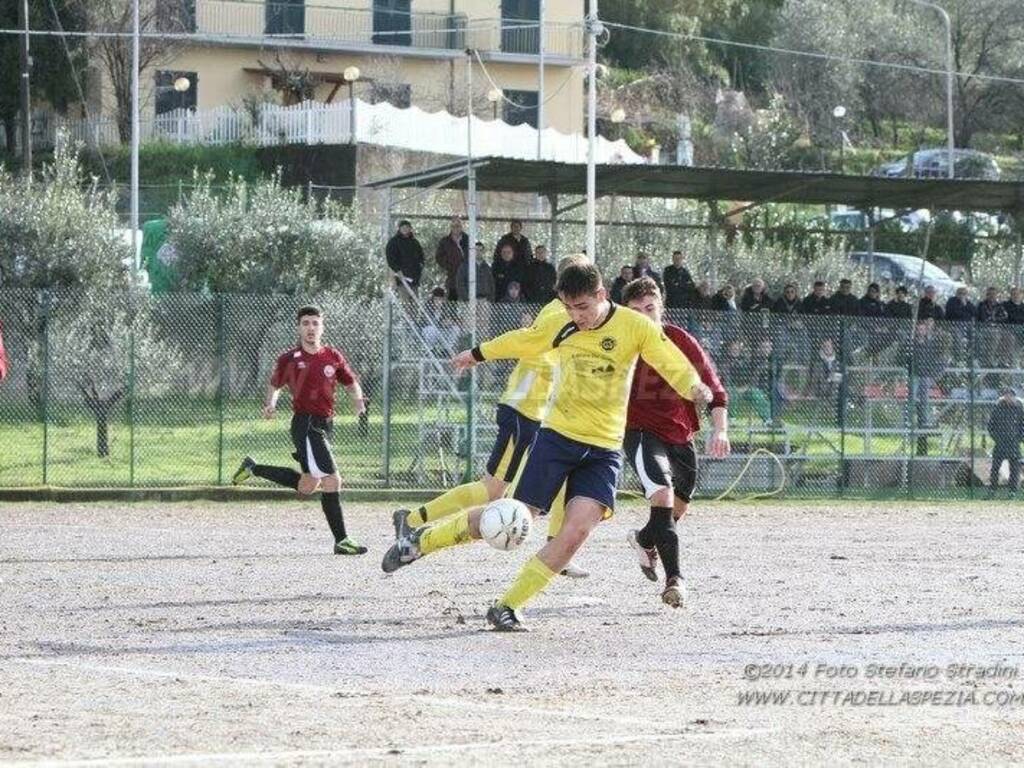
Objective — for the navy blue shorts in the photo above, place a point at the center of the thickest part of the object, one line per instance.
(515, 435)
(586, 470)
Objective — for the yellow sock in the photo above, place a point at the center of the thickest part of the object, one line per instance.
(450, 532)
(465, 496)
(556, 516)
(530, 582)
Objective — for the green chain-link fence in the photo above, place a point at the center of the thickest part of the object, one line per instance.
(142, 391)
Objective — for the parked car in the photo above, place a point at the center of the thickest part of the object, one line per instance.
(933, 164)
(903, 269)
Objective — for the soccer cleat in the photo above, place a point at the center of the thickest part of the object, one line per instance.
(505, 619)
(403, 552)
(647, 558)
(573, 571)
(673, 593)
(348, 547)
(398, 519)
(244, 471)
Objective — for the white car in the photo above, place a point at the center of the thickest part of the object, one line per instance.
(902, 269)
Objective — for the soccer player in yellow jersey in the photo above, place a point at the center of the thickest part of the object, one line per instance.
(581, 436)
(518, 415)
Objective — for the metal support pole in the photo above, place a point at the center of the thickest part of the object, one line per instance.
(386, 367)
(471, 399)
(135, 134)
(131, 400)
(950, 142)
(26, 93)
(471, 265)
(540, 78)
(554, 228)
(594, 28)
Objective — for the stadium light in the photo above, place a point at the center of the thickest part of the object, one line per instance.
(494, 96)
(839, 112)
(618, 115)
(182, 84)
(351, 74)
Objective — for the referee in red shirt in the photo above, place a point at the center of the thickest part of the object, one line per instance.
(660, 427)
(311, 372)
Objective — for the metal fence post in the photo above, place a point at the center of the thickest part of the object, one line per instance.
(841, 416)
(221, 376)
(45, 298)
(972, 353)
(131, 399)
(386, 386)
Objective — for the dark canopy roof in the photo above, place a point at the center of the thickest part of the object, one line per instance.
(670, 181)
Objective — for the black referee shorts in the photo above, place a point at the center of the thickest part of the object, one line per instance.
(660, 465)
(311, 436)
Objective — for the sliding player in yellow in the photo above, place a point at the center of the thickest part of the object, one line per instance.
(518, 415)
(580, 438)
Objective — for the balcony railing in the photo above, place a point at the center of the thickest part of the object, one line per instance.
(236, 19)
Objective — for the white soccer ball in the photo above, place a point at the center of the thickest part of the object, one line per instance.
(505, 523)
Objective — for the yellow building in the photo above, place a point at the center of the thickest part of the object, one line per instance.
(230, 52)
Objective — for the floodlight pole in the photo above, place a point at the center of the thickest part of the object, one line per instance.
(593, 29)
(540, 79)
(135, 134)
(950, 142)
(26, 94)
(471, 210)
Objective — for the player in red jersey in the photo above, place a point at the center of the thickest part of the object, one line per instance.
(311, 372)
(660, 427)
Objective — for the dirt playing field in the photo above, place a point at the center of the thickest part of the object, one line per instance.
(204, 633)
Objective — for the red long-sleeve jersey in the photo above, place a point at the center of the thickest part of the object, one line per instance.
(3, 355)
(655, 407)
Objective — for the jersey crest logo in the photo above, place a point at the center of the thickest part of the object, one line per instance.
(329, 371)
(607, 343)
(300, 365)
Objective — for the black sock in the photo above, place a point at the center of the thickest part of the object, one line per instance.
(647, 536)
(331, 503)
(666, 540)
(285, 476)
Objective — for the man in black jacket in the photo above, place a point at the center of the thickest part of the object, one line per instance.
(959, 308)
(870, 304)
(679, 285)
(899, 308)
(928, 308)
(843, 301)
(873, 314)
(991, 314)
(405, 256)
(539, 282)
(625, 277)
(521, 248)
(960, 311)
(1006, 427)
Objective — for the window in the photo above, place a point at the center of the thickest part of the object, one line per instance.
(390, 17)
(522, 109)
(516, 35)
(396, 94)
(285, 17)
(168, 98)
(176, 15)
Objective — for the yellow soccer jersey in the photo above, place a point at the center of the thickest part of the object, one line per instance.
(595, 369)
(529, 385)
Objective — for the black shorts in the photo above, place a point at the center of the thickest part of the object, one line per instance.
(660, 465)
(515, 435)
(555, 460)
(311, 436)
